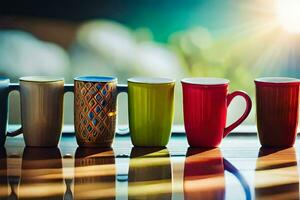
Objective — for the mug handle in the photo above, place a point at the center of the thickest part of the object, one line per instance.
(230, 97)
(120, 89)
(14, 86)
(230, 168)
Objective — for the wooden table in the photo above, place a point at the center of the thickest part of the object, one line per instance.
(239, 169)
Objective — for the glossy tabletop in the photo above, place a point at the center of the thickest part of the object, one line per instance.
(239, 169)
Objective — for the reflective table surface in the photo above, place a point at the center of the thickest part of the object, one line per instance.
(239, 169)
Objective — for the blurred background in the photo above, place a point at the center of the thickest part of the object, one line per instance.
(237, 40)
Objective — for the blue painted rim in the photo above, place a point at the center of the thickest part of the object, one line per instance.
(96, 78)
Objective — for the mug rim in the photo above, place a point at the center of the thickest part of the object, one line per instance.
(41, 79)
(150, 80)
(277, 81)
(96, 79)
(205, 81)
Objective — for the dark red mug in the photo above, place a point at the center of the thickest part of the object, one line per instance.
(277, 107)
(205, 102)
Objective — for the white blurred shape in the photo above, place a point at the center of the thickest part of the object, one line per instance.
(110, 40)
(111, 48)
(157, 60)
(21, 54)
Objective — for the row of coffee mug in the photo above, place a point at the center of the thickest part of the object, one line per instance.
(150, 108)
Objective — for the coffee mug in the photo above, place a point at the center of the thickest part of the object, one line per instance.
(205, 102)
(151, 110)
(277, 109)
(5, 88)
(95, 110)
(42, 110)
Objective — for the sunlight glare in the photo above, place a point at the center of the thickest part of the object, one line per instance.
(288, 14)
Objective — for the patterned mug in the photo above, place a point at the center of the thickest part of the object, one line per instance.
(95, 100)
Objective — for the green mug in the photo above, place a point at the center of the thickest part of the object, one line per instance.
(151, 110)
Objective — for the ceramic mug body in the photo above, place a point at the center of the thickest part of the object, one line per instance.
(205, 102)
(151, 110)
(277, 109)
(95, 110)
(41, 110)
(4, 88)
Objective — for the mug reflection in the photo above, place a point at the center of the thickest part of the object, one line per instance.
(204, 174)
(5, 189)
(276, 174)
(150, 174)
(94, 173)
(41, 174)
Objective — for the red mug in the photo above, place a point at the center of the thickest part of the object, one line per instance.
(205, 102)
(277, 107)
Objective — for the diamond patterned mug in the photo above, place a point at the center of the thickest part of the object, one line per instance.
(95, 100)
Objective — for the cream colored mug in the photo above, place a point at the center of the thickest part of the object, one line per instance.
(41, 110)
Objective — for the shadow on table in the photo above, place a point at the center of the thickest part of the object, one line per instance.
(204, 174)
(150, 174)
(276, 174)
(94, 175)
(5, 189)
(41, 174)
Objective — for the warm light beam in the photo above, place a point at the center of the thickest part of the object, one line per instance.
(288, 14)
